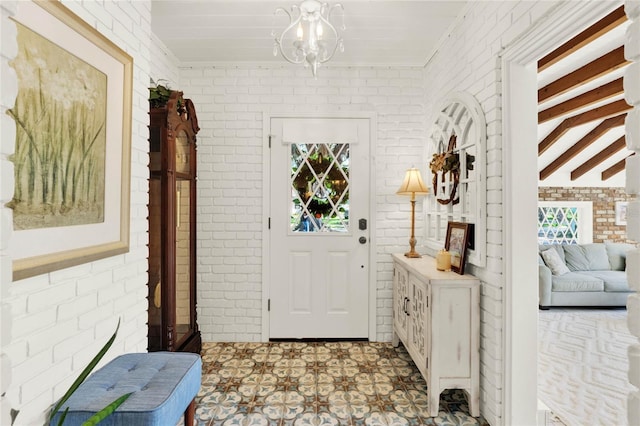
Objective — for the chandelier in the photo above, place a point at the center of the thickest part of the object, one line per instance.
(310, 39)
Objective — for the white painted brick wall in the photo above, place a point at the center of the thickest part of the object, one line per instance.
(230, 102)
(632, 84)
(468, 61)
(52, 325)
(8, 91)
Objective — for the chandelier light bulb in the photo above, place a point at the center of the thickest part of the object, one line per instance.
(318, 43)
(300, 32)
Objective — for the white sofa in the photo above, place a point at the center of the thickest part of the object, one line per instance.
(586, 275)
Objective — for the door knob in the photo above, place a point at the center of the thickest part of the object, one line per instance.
(362, 240)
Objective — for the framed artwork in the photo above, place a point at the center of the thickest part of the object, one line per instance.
(73, 142)
(621, 212)
(456, 243)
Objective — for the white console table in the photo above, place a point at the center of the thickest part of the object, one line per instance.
(436, 315)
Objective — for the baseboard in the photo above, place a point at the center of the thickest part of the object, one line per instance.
(544, 415)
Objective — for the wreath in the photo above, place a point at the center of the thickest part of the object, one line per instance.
(448, 162)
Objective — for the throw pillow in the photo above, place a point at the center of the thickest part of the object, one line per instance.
(553, 261)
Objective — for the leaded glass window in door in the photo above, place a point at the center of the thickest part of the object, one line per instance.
(319, 187)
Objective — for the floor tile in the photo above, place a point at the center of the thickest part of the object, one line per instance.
(318, 383)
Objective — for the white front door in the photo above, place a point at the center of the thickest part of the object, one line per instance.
(319, 228)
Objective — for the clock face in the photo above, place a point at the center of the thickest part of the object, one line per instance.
(182, 152)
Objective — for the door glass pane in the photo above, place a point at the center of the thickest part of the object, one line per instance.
(182, 152)
(183, 259)
(319, 187)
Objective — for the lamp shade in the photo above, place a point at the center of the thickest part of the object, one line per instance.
(412, 184)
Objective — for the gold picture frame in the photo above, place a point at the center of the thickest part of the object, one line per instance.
(456, 243)
(73, 142)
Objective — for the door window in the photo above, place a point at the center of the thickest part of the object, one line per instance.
(319, 187)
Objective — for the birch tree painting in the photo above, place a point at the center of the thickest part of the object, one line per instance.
(60, 116)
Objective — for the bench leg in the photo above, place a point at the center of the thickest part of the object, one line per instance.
(189, 414)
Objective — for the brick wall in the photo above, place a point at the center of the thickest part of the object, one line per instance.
(632, 132)
(469, 60)
(58, 321)
(8, 92)
(230, 102)
(604, 214)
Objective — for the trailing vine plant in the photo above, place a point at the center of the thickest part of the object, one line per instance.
(158, 94)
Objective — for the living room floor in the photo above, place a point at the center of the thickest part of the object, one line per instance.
(583, 364)
(327, 383)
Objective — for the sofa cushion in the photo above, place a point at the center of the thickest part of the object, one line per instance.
(574, 281)
(617, 253)
(586, 257)
(613, 280)
(553, 261)
(556, 247)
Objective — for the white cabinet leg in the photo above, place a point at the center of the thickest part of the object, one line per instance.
(474, 401)
(434, 403)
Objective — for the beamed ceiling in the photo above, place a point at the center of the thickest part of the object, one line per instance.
(581, 108)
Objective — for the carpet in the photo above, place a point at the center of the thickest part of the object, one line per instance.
(582, 365)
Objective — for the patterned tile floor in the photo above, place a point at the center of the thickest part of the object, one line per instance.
(318, 383)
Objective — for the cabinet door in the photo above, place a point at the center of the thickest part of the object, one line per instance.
(419, 318)
(400, 301)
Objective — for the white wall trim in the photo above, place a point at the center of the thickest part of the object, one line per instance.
(519, 112)
(266, 206)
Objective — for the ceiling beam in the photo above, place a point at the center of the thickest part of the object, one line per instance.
(601, 27)
(598, 94)
(604, 111)
(615, 169)
(588, 165)
(606, 63)
(582, 144)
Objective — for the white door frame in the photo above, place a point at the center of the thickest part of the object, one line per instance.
(266, 209)
(519, 129)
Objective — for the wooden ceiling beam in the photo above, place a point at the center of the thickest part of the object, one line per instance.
(604, 111)
(582, 144)
(554, 136)
(615, 169)
(606, 63)
(598, 94)
(601, 27)
(606, 153)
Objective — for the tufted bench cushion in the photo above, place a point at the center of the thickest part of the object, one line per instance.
(164, 386)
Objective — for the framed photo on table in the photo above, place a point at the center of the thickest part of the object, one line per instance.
(456, 243)
(73, 115)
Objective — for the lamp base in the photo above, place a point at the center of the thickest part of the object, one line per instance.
(412, 254)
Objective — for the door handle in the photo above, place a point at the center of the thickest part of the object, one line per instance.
(362, 240)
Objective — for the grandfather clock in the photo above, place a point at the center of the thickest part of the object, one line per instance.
(172, 226)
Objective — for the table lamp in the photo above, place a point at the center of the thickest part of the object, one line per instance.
(412, 185)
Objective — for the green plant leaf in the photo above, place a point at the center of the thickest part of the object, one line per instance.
(63, 416)
(106, 411)
(84, 373)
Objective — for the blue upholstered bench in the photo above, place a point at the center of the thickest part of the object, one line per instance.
(164, 386)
